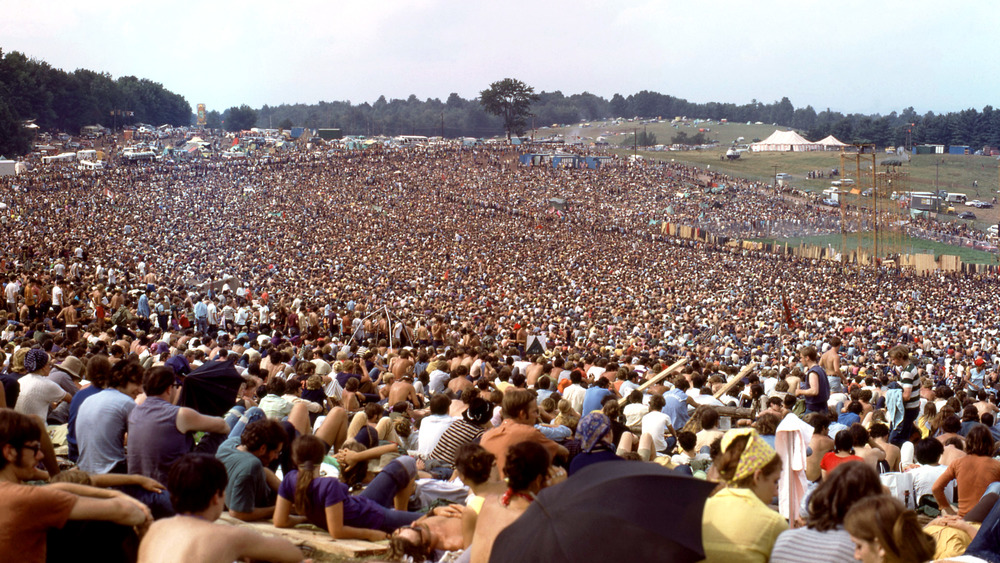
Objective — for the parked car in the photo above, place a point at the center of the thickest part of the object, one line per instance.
(966, 215)
(980, 204)
(831, 202)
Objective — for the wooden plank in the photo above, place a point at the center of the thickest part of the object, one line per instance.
(732, 383)
(658, 377)
(319, 543)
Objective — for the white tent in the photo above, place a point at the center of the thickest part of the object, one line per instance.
(785, 141)
(831, 143)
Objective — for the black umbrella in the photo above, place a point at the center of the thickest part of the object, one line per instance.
(611, 511)
(211, 389)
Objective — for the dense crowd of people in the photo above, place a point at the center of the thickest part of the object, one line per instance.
(424, 326)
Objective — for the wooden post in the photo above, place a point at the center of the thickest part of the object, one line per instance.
(658, 377)
(732, 383)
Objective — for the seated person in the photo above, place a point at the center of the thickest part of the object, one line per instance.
(326, 501)
(687, 441)
(843, 452)
(883, 529)
(31, 512)
(252, 489)
(594, 433)
(737, 525)
(528, 470)
(824, 539)
(197, 485)
(159, 431)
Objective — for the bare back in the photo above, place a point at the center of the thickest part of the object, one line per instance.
(821, 445)
(183, 538)
(493, 519)
(401, 391)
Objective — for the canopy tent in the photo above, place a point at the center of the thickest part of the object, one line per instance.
(831, 143)
(785, 141)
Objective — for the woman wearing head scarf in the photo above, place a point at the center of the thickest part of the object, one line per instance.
(594, 433)
(37, 390)
(737, 525)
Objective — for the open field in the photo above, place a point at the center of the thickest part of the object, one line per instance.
(955, 173)
(909, 246)
(725, 133)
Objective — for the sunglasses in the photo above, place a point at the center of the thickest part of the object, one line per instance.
(35, 448)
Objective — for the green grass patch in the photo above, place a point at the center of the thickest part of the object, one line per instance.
(907, 245)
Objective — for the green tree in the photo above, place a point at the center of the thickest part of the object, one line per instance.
(14, 139)
(240, 118)
(285, 124)
(509, 99)
(213, 119)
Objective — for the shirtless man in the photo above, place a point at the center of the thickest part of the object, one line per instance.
(68, 316)
(402, 390)
(830, 361)
(983, 405)
(192, 536)
(459, 382)
(403, 365)
(534, 371)
(442, 531)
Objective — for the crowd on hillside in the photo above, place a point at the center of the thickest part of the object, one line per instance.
(424, 324)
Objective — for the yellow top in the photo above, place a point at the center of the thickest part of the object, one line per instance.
(738, 528)
(476, 503)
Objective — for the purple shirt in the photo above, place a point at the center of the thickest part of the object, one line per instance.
(359, 511)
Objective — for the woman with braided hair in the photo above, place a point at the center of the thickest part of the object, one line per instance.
(737, 525)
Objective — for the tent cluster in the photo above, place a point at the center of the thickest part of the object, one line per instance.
(785, 141)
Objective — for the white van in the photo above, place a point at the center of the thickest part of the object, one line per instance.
(956, 198)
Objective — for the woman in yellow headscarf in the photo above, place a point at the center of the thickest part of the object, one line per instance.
(737, 525)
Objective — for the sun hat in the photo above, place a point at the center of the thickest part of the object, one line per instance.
(73, 366)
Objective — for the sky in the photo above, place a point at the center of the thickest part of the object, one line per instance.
(849, 56)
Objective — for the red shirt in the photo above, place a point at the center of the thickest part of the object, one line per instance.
(831, 460)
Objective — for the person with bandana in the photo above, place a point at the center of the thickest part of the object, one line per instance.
(594, 433)
(737, 525)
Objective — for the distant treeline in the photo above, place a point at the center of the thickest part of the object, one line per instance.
(457, 116)
(60, 101)
(66, 101)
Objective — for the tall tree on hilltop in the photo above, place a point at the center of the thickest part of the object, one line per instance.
(239, 118)
(511, 100)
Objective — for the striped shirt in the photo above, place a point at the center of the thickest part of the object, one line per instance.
(806, 544)
(459, 433)
(908, 378)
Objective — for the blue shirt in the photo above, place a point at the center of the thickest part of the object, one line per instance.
(74, 408)
(200, 310)
(143, 306)
(676, 408)
(848, 418)
(592, 399)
